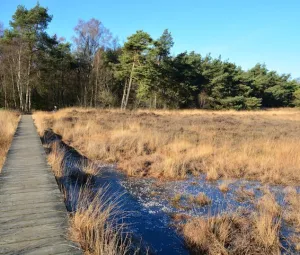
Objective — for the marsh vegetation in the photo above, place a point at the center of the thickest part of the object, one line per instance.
(232, 175)
(259, 145)
(8, 124)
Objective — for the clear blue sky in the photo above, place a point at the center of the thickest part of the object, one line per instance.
(245, 32)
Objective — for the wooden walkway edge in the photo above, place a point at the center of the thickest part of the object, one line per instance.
(33, 217)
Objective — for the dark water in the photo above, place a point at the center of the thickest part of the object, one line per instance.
(147, 202)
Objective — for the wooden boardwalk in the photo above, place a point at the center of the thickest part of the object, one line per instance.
(33, 217)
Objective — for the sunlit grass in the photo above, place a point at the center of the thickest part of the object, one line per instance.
(94, 225)
(237, 233)
(260, 145)
(8, 124)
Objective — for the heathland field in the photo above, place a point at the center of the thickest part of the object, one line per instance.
(257, 145)
(8, 125)
(229, 180)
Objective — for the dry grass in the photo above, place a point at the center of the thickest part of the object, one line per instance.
(8, 124)
(224, 186)
(243, 194)
(56, 159)
(268, 203)
(260, 145)
(94, 226)
(292, 214)
(235, 234)
(90, 167)
(176, 199)
(201, 199)
(295, 239)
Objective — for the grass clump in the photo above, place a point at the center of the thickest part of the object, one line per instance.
(201, 199)
(224, 186)
(176, 199)
(236, 233)
(94, 225)
(90, 168)
(56, 159)
(268, 203)
(243, 194)
(8, 124)
(292, 214)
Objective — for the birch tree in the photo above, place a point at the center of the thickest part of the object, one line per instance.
(26, 29)
(90, 37)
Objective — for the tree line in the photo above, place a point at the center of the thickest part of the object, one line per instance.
(39, 71)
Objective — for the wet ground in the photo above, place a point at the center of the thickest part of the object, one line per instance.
(157, 197)
(150, 207)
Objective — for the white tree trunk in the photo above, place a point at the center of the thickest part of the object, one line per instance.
(129, 86)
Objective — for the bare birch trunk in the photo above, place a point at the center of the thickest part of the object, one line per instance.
(19, 85)
(129, 86)
(96, 81)
(29, 102)
(124, 95)
(92, 96)
(13, 86)
(28, 89)
(5, 94)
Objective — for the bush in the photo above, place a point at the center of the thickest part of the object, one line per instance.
(252, 103)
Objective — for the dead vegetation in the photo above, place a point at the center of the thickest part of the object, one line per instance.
(201, 199)
(292, 214)
(172, 144)
(236, 233)
(95, 225)
(224, 186)
(243, 194)
(260, 145)
(8, 124)
(56, 159)
(89, 167)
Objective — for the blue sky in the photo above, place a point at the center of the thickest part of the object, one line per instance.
(245, 32)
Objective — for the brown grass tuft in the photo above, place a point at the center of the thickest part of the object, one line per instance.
(235, 234)
(224, 186)
(8, 124)
(292, 214)
(178, 217)
(243, 194)
(56, 159)
(268, 203)
(41, 121)
(295, 239)
(176, 199)
(201, 199)
(212, 174)
(90, 167)
(94, 226)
